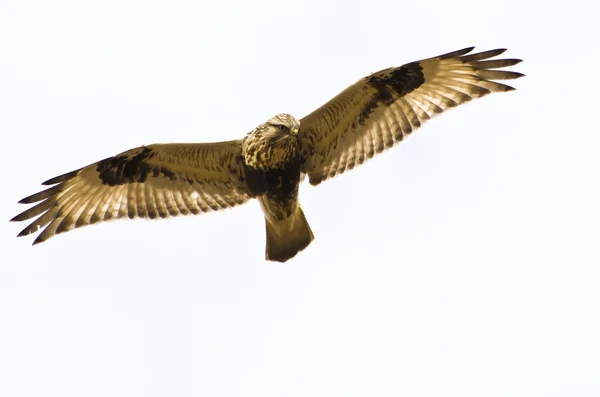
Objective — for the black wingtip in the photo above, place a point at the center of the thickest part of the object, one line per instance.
(482, 55)
(32, 228)
(16, 218)
(457, 53)
(40, 239)
(44, 194)
(24, 232)
(61, 178)
(493, 53)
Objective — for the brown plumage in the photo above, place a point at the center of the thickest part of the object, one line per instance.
(159, 181)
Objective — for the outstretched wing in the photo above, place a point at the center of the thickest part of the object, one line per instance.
(381, 109)
(147, 182)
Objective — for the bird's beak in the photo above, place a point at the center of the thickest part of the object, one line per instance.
(294, 131)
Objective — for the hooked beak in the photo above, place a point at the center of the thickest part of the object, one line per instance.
(294, 131)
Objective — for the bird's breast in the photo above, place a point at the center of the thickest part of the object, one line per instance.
(267, 153)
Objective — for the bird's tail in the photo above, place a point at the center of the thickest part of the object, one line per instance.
(287, 237)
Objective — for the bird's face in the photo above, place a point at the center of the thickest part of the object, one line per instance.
(272, 144)
(281, 126)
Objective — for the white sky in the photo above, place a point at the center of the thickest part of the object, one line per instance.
(465, 262)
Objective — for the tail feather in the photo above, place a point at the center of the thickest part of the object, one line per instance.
(287, 237)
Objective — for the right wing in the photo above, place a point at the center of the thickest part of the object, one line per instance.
(148, 182)
(381, 109)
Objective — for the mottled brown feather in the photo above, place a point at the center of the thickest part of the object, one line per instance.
(379, 110)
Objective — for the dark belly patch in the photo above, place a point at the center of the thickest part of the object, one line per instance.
(280, 184)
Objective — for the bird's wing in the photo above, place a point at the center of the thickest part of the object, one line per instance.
(381, 109)
(155, 181)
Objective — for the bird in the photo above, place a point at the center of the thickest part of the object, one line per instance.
(271, 161)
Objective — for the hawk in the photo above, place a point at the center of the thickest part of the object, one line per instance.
(268, 164)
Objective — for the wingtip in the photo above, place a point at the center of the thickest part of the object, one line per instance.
(49, 182)
(61, 178)
(38, 240)
(23, 233)
(457, 53)
(28, 230)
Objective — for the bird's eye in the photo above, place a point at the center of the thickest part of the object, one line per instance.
(282, 127)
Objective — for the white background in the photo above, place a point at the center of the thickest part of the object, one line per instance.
(465, 262)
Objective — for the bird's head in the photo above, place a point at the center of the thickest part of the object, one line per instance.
(272, 144)
(282, 125)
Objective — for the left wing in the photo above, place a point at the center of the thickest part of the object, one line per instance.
(155, 181)
(379, 110)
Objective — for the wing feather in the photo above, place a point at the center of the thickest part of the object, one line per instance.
(155, 181)
(161, 205)
(379, 110)
(141, 200)
(44, 194)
